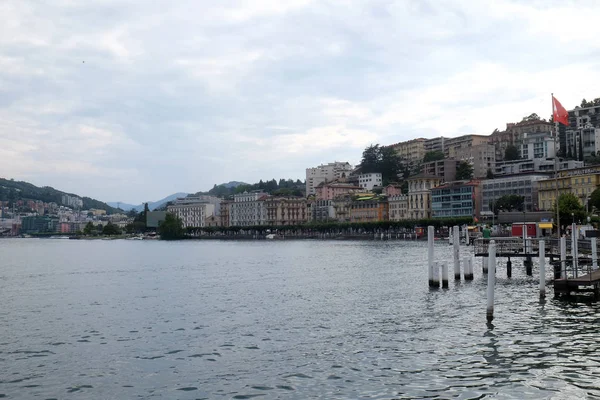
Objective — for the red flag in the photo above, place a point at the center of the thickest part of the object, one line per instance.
(559, 113)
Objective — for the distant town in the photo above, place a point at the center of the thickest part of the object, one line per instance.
(520, 169)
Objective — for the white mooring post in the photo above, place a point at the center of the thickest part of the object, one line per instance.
(445, 274)
(456, 243)
(563, 257)
(574, 248)
(542, 268)
(430, 233)
(491, 280)
(469, 275)
(436, 274)
(594, 253)
(466, 235)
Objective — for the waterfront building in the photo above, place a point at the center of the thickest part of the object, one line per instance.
(419, 195)
(212, 221)
(525, 185)
(225, 213)
(341, 207)
(456, 200)
(39, 224)
(579, 181)
(369, 208)
(322, 210)
(330, 190)
(325, 173)
(393, 189)
(281, 211)
(370, 180)
(248, 209)
(192, 212)
(398, 207)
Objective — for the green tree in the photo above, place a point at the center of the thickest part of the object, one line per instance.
(511, 153)
(111, 229)
(594, 200)
(532, 117)
(171, 228)
(569, 208)
(464, 171)
(382, 159)
(433, 156)
(509, 202)
(89, 228)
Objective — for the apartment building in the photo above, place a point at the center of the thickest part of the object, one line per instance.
(281, 211)
(536, 165)
(579, 181)
(537, 145)
(481, 156)
(453, 145)
(370, 180)
(581, 137)
(443, 169)
(435, 144)
(411, 151)
(398, 207)
(525, 185)
(325, 173)
(341, 207)
(248, 209)
(456, 199)
(419, 195)
(516, 132)
(322, 210)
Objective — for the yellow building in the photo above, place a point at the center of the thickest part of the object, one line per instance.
(286, 210)
(419, 195)
(579, 181)
(411, 151)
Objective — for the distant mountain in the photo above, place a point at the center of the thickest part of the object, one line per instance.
(152, 205)
(11, 190)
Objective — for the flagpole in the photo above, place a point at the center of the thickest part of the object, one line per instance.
(556, 169)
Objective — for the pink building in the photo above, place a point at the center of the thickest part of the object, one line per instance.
(328, 191)
(64, 227)
(392, 190)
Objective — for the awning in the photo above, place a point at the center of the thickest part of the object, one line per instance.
(546, 225)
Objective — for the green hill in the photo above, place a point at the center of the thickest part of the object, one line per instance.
(11, 190)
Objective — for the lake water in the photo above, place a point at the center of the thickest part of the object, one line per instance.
(285, 319)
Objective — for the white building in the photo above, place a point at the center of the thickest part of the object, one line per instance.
(537, 145)
(72, 201)
(248, 209)
(215, 201)
(192, 214)
(370, 180)
(325, 173)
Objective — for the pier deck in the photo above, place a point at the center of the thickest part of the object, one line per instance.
(589, 282)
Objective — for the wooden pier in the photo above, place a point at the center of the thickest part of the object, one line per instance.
(589, 282)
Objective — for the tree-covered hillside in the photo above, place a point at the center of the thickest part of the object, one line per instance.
(11, 190)
(285, 187)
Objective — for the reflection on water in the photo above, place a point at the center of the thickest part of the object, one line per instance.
(297, 319)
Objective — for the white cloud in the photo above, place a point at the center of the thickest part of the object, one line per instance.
(194, 93)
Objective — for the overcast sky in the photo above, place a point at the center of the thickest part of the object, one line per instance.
(134, 100)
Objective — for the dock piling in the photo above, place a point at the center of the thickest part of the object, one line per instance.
(574, 254)
(594, 253)
(484, 264)
(444, 274)
(542, 269)
(436, 274)
(456, 243)
(430, 233)
(491, 280)
(509, 268)
(563, 257)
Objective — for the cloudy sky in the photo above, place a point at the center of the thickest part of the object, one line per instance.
(135, 100)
